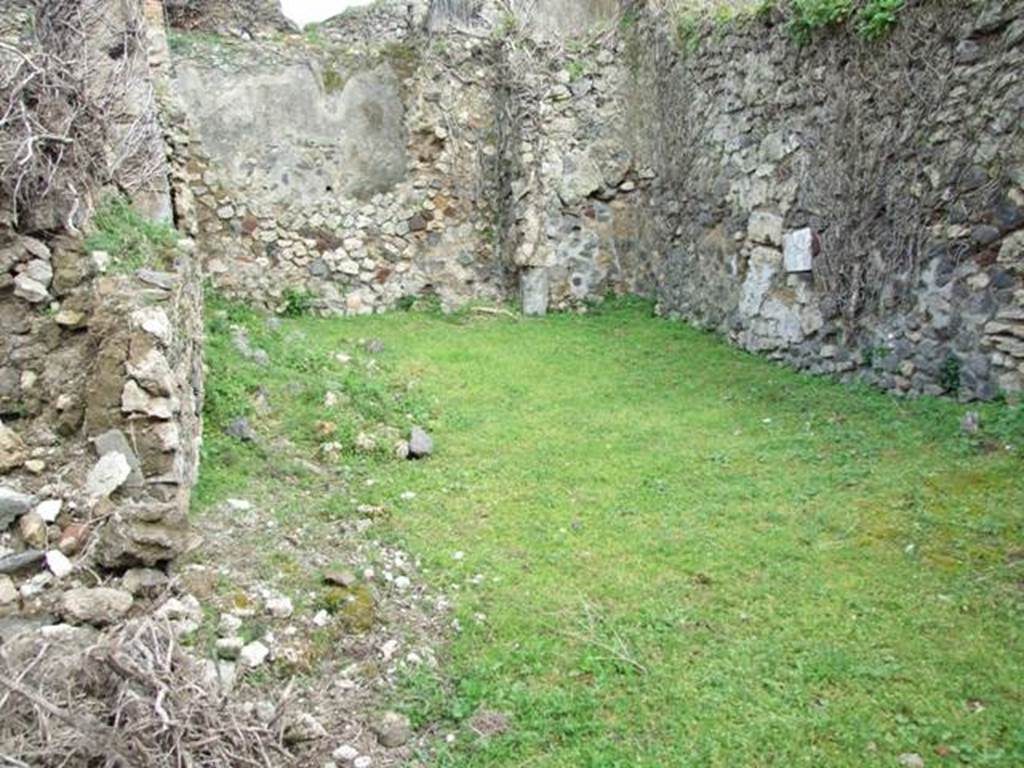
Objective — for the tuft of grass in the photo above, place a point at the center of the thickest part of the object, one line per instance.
(132, 240)
(313, 34)
(673, 553)
(296, 302)
(334, 82)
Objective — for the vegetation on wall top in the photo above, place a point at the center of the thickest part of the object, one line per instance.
(871, 19)
(130, 239)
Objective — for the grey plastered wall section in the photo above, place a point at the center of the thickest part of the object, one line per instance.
(352, 166)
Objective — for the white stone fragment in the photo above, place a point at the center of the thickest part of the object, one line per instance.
(345, 754)
(798, 250)
(30, 290)
(100, 260)
(253, 655)
(58, 564)
(153, 321)
(49, 509)
(109, 474)
(280, 607)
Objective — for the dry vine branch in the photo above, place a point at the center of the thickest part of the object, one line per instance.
(77, 111)
(135, 698)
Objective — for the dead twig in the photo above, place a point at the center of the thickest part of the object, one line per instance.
(495, 311)
(135, 698)
(595, 631)
(76, 113)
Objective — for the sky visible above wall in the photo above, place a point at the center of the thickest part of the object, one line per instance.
(304, 12)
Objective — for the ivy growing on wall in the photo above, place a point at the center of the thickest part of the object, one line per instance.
(872, 18)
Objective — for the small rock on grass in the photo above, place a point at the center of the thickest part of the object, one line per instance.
(911, 760)
(970, 424)
(240, 429)
(228, 625)
(393, 730)
(345, 754)
(230, 648)
(304, 727)
(421, 445)
(280, 607)
(345, 579)
(253, 655)
(365, 443)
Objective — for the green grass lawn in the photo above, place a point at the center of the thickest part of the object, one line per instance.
(672, 553)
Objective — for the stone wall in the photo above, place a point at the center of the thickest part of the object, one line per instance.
(244, 18)
(100, 396)
(351, 173)
(541, 18)
(367, 162)
(576, 189)
(103, 364)
(848, 207)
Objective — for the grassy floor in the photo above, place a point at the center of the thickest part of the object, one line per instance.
(665, 552)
